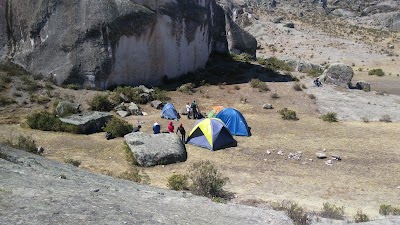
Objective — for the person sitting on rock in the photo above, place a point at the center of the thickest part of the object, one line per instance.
(156, 128)
(136, 129)
(171, 127)
(182, 131)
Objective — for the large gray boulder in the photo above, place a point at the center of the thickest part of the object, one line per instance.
(88, 122)
(67, 108)
(338, 74)
(239, 40)
(156, 149)
(113, 42)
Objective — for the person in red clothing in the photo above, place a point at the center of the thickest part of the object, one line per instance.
(171, 127)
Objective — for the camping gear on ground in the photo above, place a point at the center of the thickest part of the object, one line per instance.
(212, 134)
(215, 110)
(169, 112)
(235, 122)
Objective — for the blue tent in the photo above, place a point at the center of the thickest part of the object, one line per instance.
(169, 112)
(235, 121)
(211, 133)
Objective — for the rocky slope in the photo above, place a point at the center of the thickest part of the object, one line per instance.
(34, 190)
(107, 43)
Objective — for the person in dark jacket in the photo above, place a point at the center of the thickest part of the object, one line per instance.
(136, 129)
(182, 131)
(156, 128)
(194, 109)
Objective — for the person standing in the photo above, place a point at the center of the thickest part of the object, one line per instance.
(171, 127)
(188, 110)
(182, 131)
(194, 109)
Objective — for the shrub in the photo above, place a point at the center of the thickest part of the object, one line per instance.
(330, 117)
(29, 84)
(365, 119)
(101, 103)
(386, 119)
(118, 127)
(314, 72)
(288, 114)
(360, 217)
(294, 212)
(275, 64)
(244, 57)
(261, 61)
(297, 87)
(72, 86)
(23, 142)
(311, 96)
(159, 94)
(207, 181)
(389, 210)
(378, 72)
(13, 69)
(48, 122)
(73, 162)
(274, 96)
(135, 175)
(256, 83)
(187, 88)
(178, 182)
(332, 211)
(6, 100)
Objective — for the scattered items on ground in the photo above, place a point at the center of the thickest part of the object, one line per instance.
(321, 155)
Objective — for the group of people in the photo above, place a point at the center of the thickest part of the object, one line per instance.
(317, 82)
(192, 107)
(171, 129)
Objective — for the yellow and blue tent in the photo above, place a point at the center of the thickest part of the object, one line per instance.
(212, 134)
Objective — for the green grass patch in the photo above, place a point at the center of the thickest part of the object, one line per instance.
(49, 122)
(288, 114)
(330, 117)
(378, 72)
(256, 83)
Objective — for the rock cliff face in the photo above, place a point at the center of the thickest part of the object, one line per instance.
(111, 42)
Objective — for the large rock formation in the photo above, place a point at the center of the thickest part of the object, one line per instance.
(112, 42)
(34, 190)
(339, 74)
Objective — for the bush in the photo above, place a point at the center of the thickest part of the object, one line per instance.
(48, 122)
(135, 175)
(256, 83)
(13, 69)
(314, 72)
(297, 87)
(386, 119)
(25, 143)
(275, 64)
(330, 117)
(132, 93)
(72, 86)
(360, 217)
(311, 96)
(244, 57)
(118, 127)
(294, 212)
(207, 181)
(288, 114)
(6, 100)
(187, 88)
(73, 162)
(389, 210)
(29, 84)
(378, 72)
(274, 96)
(159, 94)
(332, 211)
(101, 103)
(178, 182)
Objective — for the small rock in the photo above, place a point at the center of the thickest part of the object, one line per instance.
(265, 160)
(156, 104)
(123, 97)
(95, 190)
(123, 113)
(303, 163)
(279, 153)
(391, 46)
(311, 160)
(320, 155)
(329, 162)
(336, 157)
(268, 152)
(267, 106)
(289, 25)
(40, 150)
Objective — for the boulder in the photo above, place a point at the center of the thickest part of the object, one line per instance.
(145, 89)
(363, 85)
(156, 104)
(120, 107)
(321, 155)
(156, 149)
(289, 25)
(123, 113)
(134, 109)
(339, 74)
(67, 108)
(144, 98)
(267, 106)
(123, 97)
(88, 122)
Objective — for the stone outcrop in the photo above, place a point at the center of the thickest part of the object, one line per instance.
(156, 149)
(116, 42)
(338, 74)
(66, 108)
(33, 191)
(88, 122)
